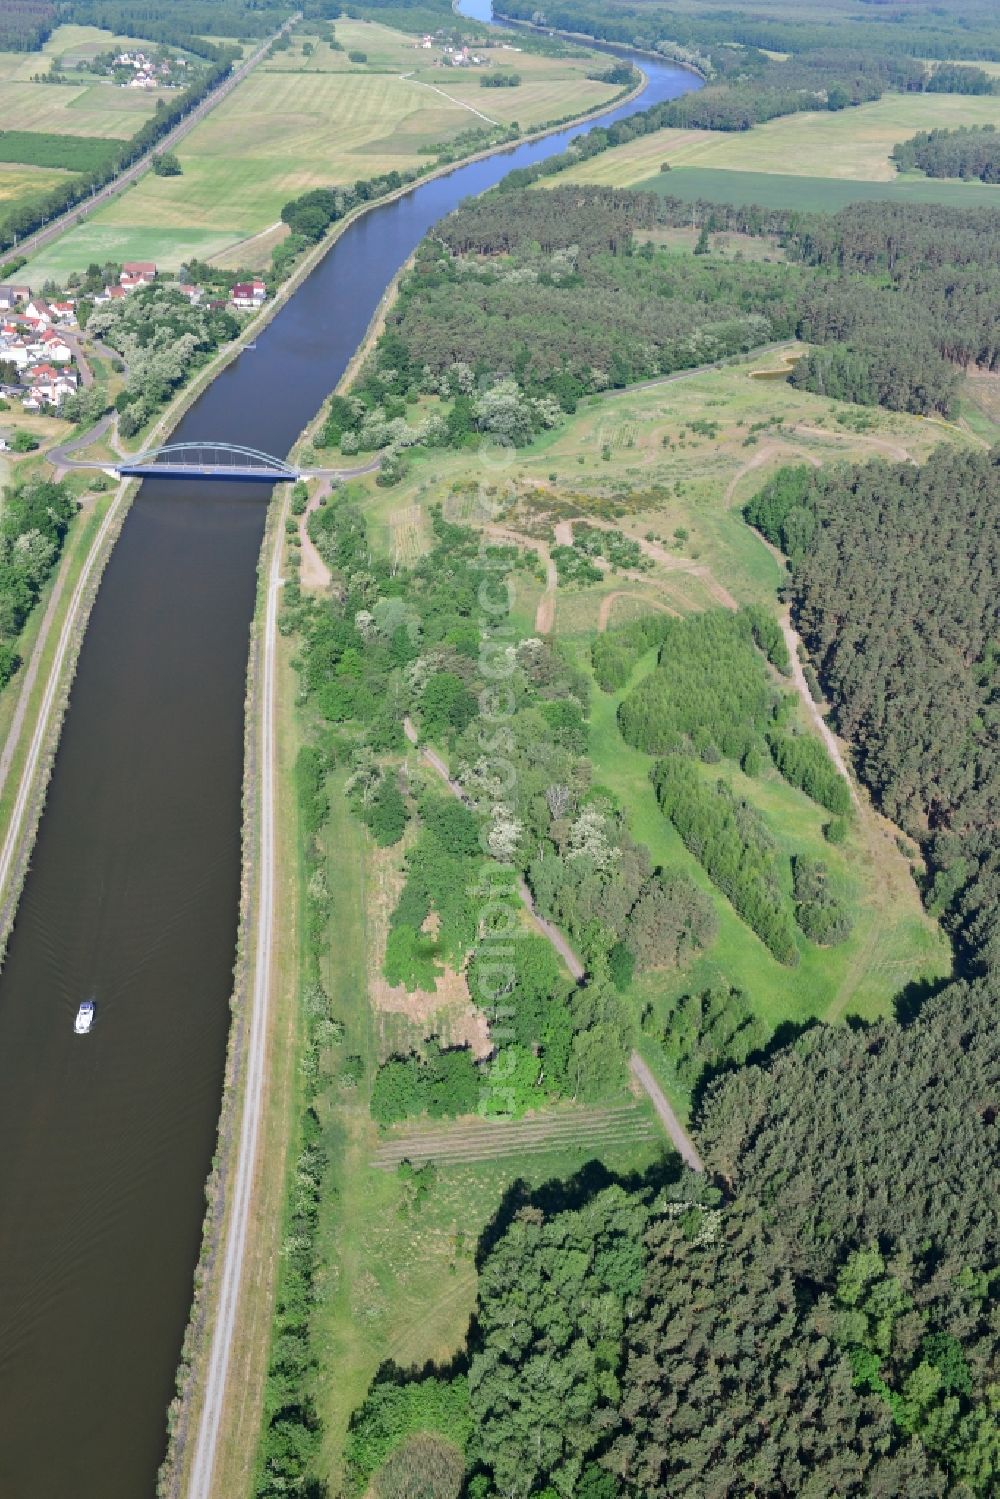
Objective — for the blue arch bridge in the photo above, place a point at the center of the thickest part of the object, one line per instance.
(208, 460)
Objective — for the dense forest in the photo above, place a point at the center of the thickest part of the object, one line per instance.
(177, 23)
(968, 152)
(894, 591)
(25, 25)
(924, 29)
(822, 1325)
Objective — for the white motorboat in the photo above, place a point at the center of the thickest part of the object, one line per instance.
(84, 1017)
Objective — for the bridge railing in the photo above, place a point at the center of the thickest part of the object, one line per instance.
(208, 457)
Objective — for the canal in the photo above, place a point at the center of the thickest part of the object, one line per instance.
(132, 897)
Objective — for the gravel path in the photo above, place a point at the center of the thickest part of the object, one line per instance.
(241, 1192)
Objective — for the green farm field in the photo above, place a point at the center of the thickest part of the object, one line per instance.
(95, 108)
(851, 144)
(286, 130)
(812, 194)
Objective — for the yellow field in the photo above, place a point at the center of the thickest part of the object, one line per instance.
(18, 183)
(853, 143)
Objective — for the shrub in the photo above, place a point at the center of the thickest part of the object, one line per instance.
(824, 919)
(621, 966)
(804, 762)
(729, 838)
(423, 1467)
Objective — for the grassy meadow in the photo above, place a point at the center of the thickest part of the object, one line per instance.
(300, 122)
(632, 456)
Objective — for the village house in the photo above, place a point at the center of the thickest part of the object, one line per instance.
(193, 293)
(248, 295)
(38, 311)
(12, 296)
(137, 273)
(65, 312)
(13, 349)
(48, 387)
(55, 347)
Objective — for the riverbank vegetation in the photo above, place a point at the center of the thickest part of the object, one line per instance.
(398, 1242)
(461, 343)
(36, 517)
(162, 337)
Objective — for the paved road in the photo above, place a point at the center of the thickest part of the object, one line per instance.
(675, 1129)
(130, 174)
(238, 1223)
(60, 456)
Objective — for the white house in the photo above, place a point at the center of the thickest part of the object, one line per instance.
(55, 348)
(40, 310)
(248, 295)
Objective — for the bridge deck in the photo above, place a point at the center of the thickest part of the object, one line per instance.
(204, 471)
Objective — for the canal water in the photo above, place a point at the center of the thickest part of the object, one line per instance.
(132, 898)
